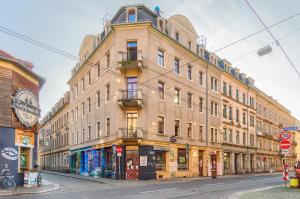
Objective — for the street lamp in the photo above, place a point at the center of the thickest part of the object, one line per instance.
(265, 50)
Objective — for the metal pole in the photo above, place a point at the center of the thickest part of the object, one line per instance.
(119, 168)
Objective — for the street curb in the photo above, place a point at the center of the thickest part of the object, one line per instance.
(238, 194)
(55, 188)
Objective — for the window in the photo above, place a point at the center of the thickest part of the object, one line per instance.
(177, 36)
(176, 66)
(177, 96)
(77, 113)
(76, 88)
(77, 137)
(190, 100)
(225, 135)
(237, 94)
(224, 111)
(230, 135)
(89, 77)
(237, 115)
(132, 51)
(252, 120)
(89, 133)
(251, 140)
(177, 127)
(237, 137)
(213, 109)
(83, 83)
(161, 90)
(230, 90)
(201, 104)
(214, 84)
(131, 16)
(82, 135)
(189, 130)
(216, 135)
(190, 45)
(107, 92)
(224, 88)
(98, 129)
(212, 134)
(107, 60)
(160, 160)
(244, 138)
(161, 124)
(189, 72)
(98, 70)
(244, 98)
(107, 126)
(230, 113)
(181, 161)
(201, 133)
(201, 78)
(89, 104)
(161, 58)
(98, 98)
(244, 118)
(82, 108)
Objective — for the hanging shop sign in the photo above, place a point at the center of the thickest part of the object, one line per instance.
(26, 107)
(9, 153)
(24, 139)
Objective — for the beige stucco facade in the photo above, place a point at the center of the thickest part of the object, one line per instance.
(145, 84)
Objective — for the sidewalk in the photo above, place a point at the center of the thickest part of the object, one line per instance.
(149, 182)
(46, 187)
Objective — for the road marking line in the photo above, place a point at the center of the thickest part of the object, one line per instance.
(158, 190)
(207, 185)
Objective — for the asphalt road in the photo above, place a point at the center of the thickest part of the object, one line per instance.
(210, 188)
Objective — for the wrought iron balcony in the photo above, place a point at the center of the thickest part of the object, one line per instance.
(130, 98)
(130, 133)
(130, 60)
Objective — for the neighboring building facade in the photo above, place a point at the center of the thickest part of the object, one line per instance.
(19, 105)
(144, 84)
(270, 118)
(54, 137)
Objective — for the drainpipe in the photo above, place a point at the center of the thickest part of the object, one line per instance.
(206, 112)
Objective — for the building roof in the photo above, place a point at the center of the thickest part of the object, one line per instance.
(24, 65)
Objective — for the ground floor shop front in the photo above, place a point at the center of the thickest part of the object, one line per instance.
(18, 152)
(238, 160)
(146, 161)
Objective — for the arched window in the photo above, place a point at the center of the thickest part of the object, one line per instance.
(131, 16)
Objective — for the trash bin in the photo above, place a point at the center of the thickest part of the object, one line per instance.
(214, 173)
(294, 182)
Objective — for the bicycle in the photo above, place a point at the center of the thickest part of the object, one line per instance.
(8, 182)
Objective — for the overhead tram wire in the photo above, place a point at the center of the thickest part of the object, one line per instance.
(271, 34)
(64, 53)
(256, 49)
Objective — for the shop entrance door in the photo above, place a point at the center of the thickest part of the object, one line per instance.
(200, 163)
(132, 164)
(213, 162)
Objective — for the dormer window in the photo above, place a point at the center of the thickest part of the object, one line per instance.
(177, 36)
(190, 45)
(131, 16)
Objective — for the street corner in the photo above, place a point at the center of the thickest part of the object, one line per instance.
(46, 187)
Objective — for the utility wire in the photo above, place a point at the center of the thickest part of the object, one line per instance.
(271, 34)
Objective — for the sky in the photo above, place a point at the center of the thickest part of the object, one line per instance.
(64, 23)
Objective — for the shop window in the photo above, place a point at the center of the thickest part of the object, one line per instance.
(181, 159)
(160, 160)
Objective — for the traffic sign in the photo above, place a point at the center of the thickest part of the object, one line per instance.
(285, 135)
(284, 151)
(119, 149)
(285, 144)
(290, 128)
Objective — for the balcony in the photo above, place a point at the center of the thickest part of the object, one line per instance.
(130, 61)
(130, 98)
(130, 133)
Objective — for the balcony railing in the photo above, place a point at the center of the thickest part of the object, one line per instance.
(130, 98)
(130, 60)
(131, 132)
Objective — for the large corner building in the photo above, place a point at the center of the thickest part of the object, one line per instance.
(144, 84)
